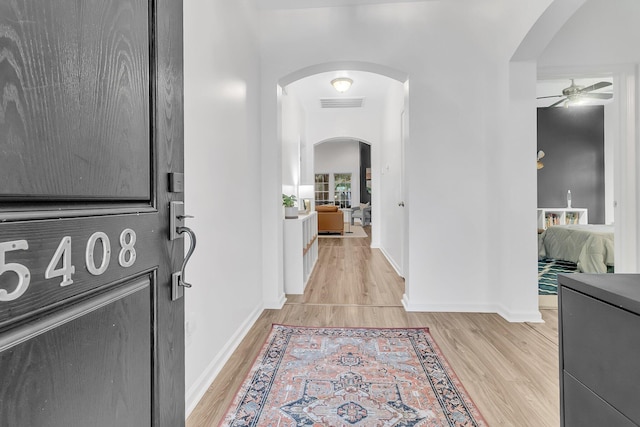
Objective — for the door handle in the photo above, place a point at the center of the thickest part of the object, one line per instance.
(176, 230)
(178, 282)
(192, 247)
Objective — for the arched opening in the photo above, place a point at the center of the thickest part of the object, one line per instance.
(374, 111)
(550, 51)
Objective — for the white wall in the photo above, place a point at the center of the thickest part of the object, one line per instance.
(601, 33)
(293, 143)
(222, 176)
(459, 101)
(334, 123)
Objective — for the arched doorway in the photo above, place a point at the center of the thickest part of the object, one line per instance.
(306, 118)
(547, 39)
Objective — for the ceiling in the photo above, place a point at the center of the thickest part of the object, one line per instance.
(555, 86)
(371, 88)
(306, 4)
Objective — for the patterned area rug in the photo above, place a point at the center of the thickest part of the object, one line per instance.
(351, 377)
(548, 270)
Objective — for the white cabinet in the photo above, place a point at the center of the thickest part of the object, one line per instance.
(300, 251)
(561, 216)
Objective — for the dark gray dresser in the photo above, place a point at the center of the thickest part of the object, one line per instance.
(599, 340)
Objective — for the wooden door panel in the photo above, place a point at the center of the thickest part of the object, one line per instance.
(42, 241)
(74, 116)
(91, 125)
(66, 369)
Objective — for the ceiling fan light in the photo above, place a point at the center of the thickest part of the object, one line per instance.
(575, 100)
(342, 84)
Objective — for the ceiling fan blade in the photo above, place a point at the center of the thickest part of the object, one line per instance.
(559, 102)
(596, 86)
(598, 95)
(550, 96)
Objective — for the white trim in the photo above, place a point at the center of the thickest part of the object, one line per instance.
(307, 4)
(520, 316)
(514, 317)
(405, 302)
(204, 381)
(279, 303)
(449, 308)
(392, 262)
(324, 67)
(556, 15)
(626, 160)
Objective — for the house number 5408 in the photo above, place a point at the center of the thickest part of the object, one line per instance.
(60, 264)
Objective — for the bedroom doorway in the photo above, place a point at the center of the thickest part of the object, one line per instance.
(578, 151)
(551, 51)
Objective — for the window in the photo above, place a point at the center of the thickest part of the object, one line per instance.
(342, 189)
(322, 189)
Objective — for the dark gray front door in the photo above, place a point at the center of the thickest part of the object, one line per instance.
(91, 124)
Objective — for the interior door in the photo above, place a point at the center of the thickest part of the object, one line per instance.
(91, 126)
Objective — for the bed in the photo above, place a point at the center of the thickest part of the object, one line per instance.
(588, 245)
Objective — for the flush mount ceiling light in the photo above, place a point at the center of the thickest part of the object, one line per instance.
(342, 84)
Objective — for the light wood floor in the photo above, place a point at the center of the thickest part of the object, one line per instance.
(510, 370)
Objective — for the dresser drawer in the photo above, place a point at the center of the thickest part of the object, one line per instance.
(583, 408)
(601, 349)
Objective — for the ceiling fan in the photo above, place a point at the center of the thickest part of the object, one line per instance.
(575, 93)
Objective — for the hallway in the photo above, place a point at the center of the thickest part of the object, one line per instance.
(509, 369)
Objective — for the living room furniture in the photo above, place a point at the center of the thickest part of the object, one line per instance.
(300, 251)
(599, 344)
(330, 219)
(363, 214)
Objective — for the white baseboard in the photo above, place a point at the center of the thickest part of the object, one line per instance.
(405, 302)
(510, 316)
(395, 266)
(276, 304)
(533, 316)
(201, 385)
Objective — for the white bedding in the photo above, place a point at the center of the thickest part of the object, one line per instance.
(588, 245)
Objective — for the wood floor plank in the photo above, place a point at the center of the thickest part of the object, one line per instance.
(510, 370)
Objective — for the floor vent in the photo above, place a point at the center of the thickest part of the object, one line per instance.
(341, 102)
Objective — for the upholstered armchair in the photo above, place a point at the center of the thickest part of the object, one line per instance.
(363, 214)
(330, 219)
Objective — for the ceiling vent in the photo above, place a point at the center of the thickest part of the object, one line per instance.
(341, 102)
